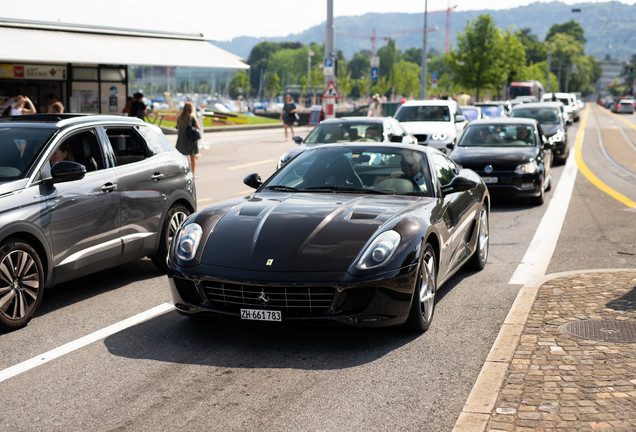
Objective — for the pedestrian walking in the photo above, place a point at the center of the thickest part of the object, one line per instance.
(375, 107)
(137, 106)
(289, 115)
(186, 145)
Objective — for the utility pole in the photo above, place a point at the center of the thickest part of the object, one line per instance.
(424, 53)
(329, 65)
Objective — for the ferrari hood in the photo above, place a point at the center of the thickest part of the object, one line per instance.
(299, 232)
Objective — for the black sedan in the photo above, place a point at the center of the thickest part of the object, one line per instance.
(512, 155)
(351, 129)
(358, 234)
(554, 126)
(80, 194)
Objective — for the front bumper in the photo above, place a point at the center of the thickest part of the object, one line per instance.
(371, 301)
(510, 185)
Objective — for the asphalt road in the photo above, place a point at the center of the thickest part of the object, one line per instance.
(174, 373)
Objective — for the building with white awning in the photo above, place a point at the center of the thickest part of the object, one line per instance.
(87, 67)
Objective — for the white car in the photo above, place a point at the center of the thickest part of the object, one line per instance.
(568, 99)
(436, 123)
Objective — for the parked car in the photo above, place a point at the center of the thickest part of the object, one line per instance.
(495, 109)
(550, 117)
(512, 156)
(351, 129)
(118, 193)
(360, 234)
(623, 105)
(435, 123)
(471, 112)
(568, 99)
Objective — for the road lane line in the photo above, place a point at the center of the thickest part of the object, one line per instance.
(595, 180)
(85, 340)
(538, 255)
(252, 164)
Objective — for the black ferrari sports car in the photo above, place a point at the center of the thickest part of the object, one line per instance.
(360, 234)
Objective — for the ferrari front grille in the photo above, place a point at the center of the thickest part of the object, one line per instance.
(294, 300)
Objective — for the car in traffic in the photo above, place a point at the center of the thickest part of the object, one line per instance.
(80, 194)
(568, 100)
(549, 115)
(351, 129)
(360, 234)
(623, 106)
(435, 123)
(512, 156)
(471, 112)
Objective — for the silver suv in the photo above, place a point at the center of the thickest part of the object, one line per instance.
(80, 194)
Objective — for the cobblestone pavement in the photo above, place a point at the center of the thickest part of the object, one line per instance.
(573, 367)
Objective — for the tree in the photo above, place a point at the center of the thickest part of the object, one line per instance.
(475, 63)
(360, 65)
(536, 51)
(571, 28)
(273, 85)
(565, 48)
(240, 84)
(388, 56)
(405, 78)
(512, 62)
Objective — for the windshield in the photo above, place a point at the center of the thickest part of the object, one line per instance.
(542, 115)
(19, 148)
(470, 113)
(427, 113)
(329, 133)
(354, 169)
(498, 136)
(492, 111)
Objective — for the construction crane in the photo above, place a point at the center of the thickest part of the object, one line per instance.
(448, 25)
(372, 38)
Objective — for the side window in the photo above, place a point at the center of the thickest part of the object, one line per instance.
(81, 147)
(157, 141)
(128, 146)
(445, 169)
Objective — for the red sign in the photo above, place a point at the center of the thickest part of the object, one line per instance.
(18, 71)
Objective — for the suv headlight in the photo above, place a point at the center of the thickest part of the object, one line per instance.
(526, 168)
(188, 240)
(379, 251)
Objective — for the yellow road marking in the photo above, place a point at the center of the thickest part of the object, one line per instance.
(252, 164)
(578, 155)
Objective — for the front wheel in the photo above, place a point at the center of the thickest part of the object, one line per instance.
(175, 217)
(21, 284)
(478, 260)
(423, 303)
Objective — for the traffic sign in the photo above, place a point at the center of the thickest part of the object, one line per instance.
(331, 91)
(375, 73)
(328, 68)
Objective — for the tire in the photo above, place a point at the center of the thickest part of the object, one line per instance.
(538, 200)
(21, 284)
(423, 302)
(175, 217)
(480, 256)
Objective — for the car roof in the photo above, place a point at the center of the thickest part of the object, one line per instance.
(355, 119)
(430, 102)
(371, 145)
(547, 104)
(65, 120)
(503, 121)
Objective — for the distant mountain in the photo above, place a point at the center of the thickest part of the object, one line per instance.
(610, 28)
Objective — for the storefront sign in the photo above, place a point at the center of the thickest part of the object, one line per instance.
(33, 72)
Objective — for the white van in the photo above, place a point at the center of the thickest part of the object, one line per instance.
(568, 99)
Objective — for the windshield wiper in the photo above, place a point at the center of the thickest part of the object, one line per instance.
(344, 189)
(282, 188)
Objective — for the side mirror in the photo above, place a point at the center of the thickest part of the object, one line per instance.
(458, 184)
(253, 181)
(450, 146)
(298, 139)
(459, 118)
(65, 171)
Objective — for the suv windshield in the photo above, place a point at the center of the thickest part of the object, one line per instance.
(19, 148)
(428, 113)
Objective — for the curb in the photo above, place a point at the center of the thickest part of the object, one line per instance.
(481, 401)
(172, 131)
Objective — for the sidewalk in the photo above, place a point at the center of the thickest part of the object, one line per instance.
(565, 358)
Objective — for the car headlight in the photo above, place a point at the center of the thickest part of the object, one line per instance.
(527, 168)
(188, 240)
(379, 251)
(557, 137)
(439, 136)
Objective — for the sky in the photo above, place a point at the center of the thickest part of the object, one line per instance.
(223, 20)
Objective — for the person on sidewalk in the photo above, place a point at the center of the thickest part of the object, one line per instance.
(185, 145)
(288, 115)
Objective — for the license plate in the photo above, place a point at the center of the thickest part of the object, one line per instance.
(490, 180)
(261, 315)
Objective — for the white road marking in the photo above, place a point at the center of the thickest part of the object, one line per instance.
(83, 341)
(539, 253)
